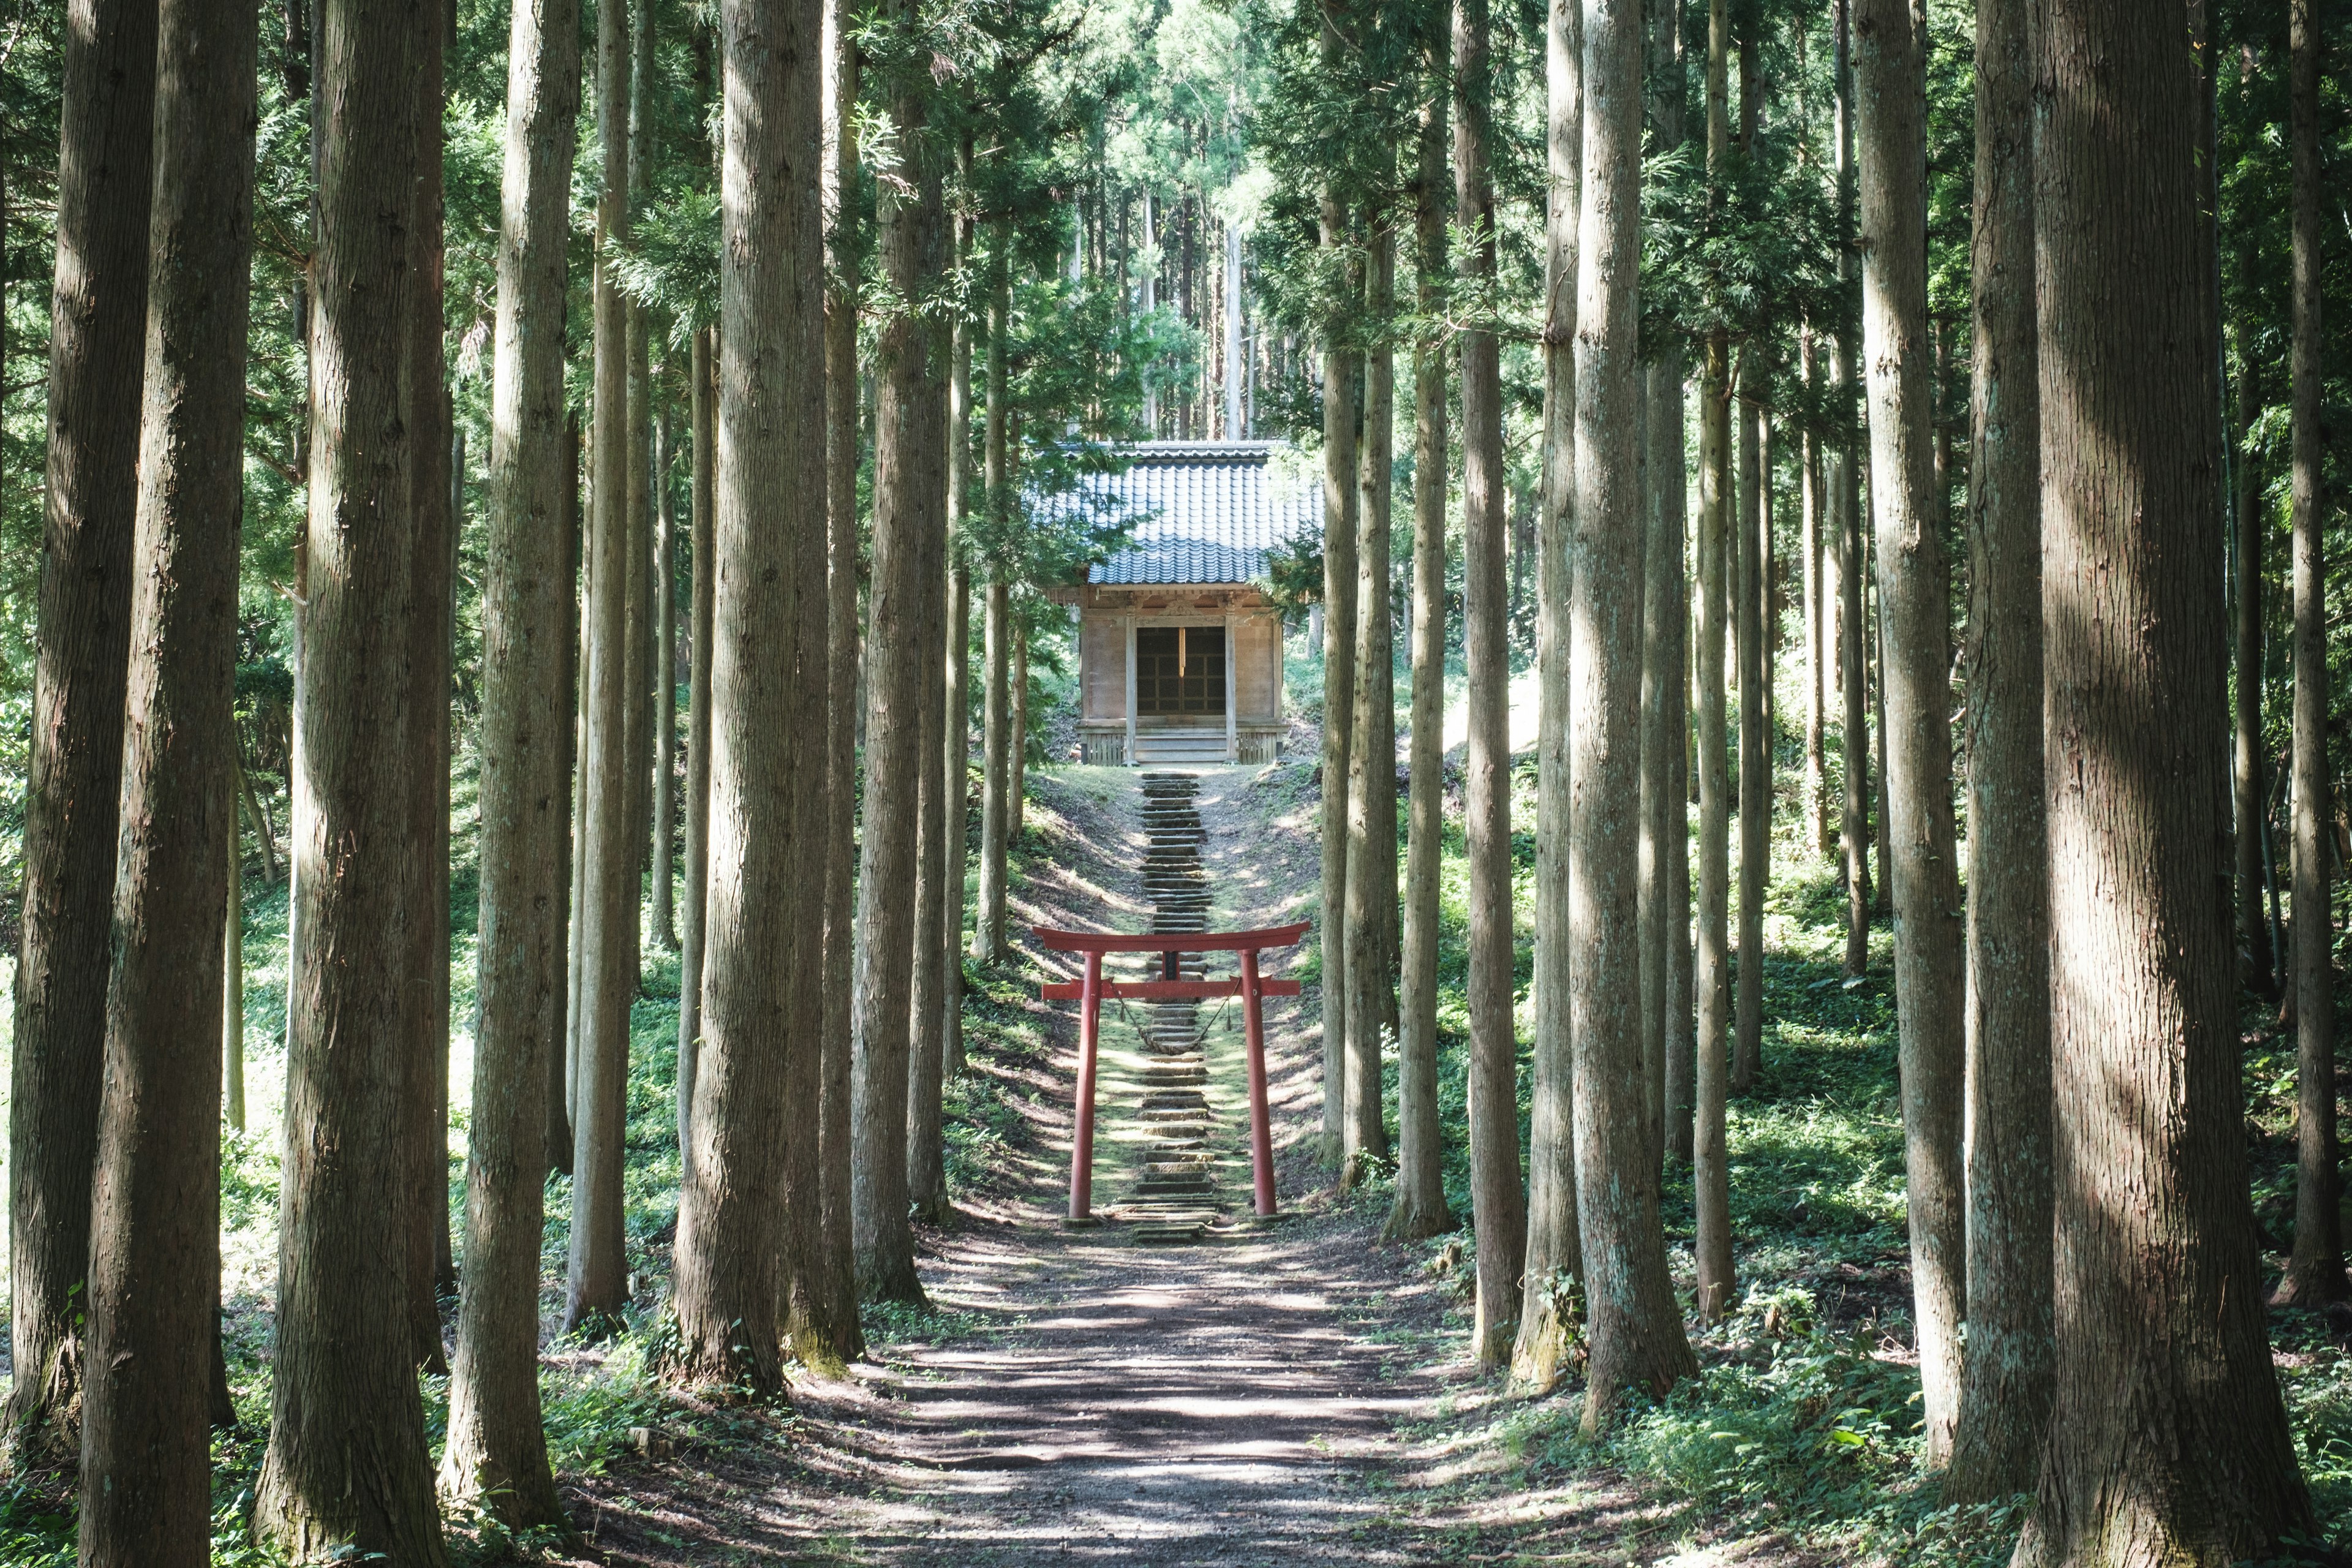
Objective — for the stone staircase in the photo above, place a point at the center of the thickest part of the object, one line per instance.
(1190, 746)
(1175, 1188)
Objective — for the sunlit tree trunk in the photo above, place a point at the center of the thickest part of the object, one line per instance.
(496, 1451)
(989, 943)
(574, 685)
(665, 570)
(347, 1466)
(703, 368)
(154, 1268)
(747, 1208)
(1498, 1200)
(1372, 911)
(1665, 693)
(1342, 368)
(596, 1286)
(1854, 731)
(1420, 1208)
(828, 1338)
(1555, 1247)
(1914, 593)
(1634, 1324)
(82, 640)
(2005, 1379)
(2168, 1439)
(1709, 1156)
(1020, 790)
(909, 493)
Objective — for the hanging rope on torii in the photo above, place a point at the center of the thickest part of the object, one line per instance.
(1170, 987)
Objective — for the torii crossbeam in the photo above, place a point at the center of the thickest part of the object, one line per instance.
(1170, 945)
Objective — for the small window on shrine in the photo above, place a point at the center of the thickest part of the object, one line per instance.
(1180, 670)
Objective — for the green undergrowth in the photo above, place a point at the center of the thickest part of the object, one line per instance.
(1804, 1421)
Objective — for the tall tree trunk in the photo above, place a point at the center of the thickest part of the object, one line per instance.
(497, 1453)
(2246, 771)
(1635, 1326)
(1914, 595)
(1342, 364)
(1420, 1208)
(1020, 790)
(829, 1339)
(1555, 1253)
(907, 499)
(96, 337)
(232, 1016)
(1498, 1201)
(574, 686)
(1755, 780)
(756, 1089)
(596, 1286)
(2005, 1379)
(347, 1466)
(926, 1159)
(956, 744)
(2314, 1273)
(665, 628)
(431, 583)
(989, 943)
(1666, 692)
(1710, 1170)
(1810, 527)
(1372, 762)
(1854, 731)
(2168, 1439)
(703, 366)
(154, 1267)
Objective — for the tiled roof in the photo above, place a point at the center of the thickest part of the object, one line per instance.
(1204, 512)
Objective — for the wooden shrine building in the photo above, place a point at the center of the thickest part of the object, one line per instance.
(1180, 649)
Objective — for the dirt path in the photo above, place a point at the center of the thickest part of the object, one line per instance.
(1261, 1398)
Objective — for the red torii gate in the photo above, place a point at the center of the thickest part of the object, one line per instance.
(1091, 990)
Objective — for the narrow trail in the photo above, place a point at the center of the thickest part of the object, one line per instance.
(1240, 1400)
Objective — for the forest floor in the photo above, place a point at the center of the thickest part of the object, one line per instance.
(1275, 1393)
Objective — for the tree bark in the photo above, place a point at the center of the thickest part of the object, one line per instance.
(1812, 526)
(497, 1450)
(703, 366)
(1343, 363)
(756, 1108)
(828, 1340)
(1554, 1248)
(1710, 1170)
(1853, 735)
(1020, 790)
(1371, 898)
(926, 1185)
(232, 1016)
(665, 570)
(1914, 595)
(2168, 1439)
(568, 888)
(432, 608)
(907, 499)
(989, 943)
(1498, 1201)
(1634, 1324)
(97, 321)
(1755, 780)
(154, 1267)
(347, 1466)
(2261, 965)
(2314, 1272)
(1420, 1208)
(1666, 690)
(2004, 1404)
(596, 1286)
